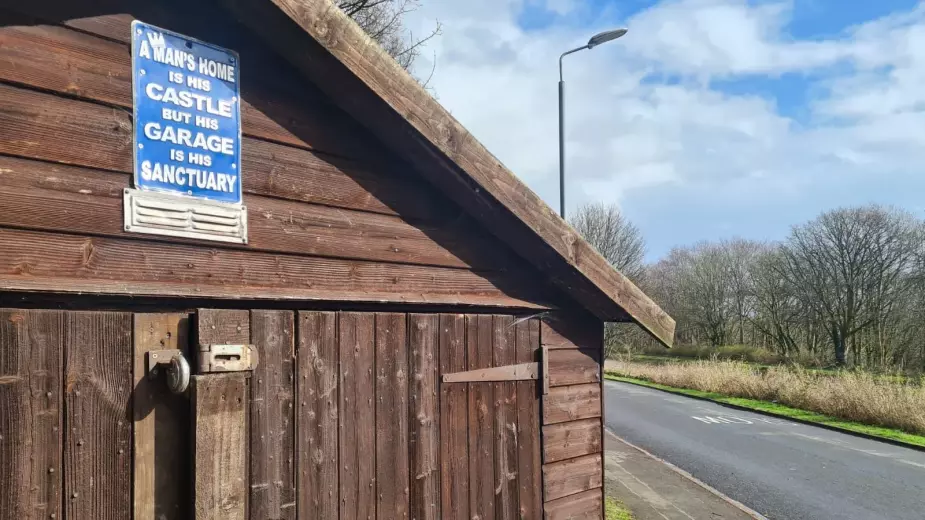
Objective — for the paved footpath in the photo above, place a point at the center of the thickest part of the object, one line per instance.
(654, 491)
(781, 469)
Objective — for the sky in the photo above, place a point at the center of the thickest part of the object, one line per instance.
(710, 119)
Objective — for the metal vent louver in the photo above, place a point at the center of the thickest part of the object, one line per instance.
(179, 216)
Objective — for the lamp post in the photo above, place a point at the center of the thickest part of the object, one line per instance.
(595, 40)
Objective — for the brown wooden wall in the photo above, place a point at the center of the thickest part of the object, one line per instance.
(347, 419)
(573, 471)
(332, 214)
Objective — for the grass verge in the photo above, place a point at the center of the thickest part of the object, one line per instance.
(783, 411)
(615, 510)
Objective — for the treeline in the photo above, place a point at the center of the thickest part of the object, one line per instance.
(847, 288)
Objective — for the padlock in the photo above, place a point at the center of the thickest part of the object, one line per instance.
(178, 373)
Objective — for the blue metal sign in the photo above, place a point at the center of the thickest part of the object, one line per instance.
(187, 115)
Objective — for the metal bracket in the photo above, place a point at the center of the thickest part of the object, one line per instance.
(544, 359)
(226, 358)
(521, 372)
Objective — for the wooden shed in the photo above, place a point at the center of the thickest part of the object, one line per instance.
(339, 356)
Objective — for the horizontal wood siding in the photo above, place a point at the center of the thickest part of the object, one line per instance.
(39, 261)
(571, 403)
(572, 422)
(561, 479)
(318, 187)
(588, 505)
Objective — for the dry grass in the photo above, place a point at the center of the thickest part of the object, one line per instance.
(849, 395)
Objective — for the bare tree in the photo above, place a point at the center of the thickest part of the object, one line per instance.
(620, 243)
(617, 239)
(841, 261)
(383, 21)
(739, 256)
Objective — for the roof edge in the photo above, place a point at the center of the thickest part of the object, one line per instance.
(433, 137)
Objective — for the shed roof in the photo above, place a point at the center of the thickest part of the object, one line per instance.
(334, 53)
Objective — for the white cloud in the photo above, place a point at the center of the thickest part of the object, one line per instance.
(646, 121)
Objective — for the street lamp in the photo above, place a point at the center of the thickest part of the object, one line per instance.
(595, 40)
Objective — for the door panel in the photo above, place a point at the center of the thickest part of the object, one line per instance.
(345, 415)
(31, 366)
(491, 446)
(98, 435)
(161, 424)
(272, 417)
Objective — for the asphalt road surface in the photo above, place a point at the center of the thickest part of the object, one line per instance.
(781, 469)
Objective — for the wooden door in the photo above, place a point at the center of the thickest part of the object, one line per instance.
(490, 441)
(223, 448)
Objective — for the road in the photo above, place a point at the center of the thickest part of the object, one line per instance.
(781, 469)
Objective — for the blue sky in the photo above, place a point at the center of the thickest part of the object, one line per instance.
(709, 119)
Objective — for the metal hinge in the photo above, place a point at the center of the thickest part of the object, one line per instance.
(520, 372)
(226, 358)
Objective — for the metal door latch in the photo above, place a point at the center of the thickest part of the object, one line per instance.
(226, 358)
(174, 364)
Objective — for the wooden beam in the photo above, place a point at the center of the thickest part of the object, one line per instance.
(359, 76)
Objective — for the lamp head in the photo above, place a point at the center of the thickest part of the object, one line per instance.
(605, 37)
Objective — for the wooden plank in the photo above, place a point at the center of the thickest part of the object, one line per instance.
(366, 82)
(219, 410)
(317, 418)
(571, 439)
(561, 479)
(98, 443)
(572, 367)
(222, 326)
(507, 500)
(161, 423)
(44, 261)
(276, 105)
(571, 403)
(357, 424)
(572, 330)
(588, 505)
(454, 420)
(276, 225)
(481, 422)
(31, 352)
(425, 436)
(272, 431)
(220, 423)
(392, 427)
(529, 462)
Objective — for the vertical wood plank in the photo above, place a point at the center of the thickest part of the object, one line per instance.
(528, 424)
(220, 423)
(272, 435)
(357, 426)
(425, 441)
(97, 451)
(161, 424)
(454, 420)
(220, 445)
(505, 421)
(316, 387)
(392, 428)
(31, 351)
(481, 435)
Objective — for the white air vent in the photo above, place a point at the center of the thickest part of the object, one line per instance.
(179, 216)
